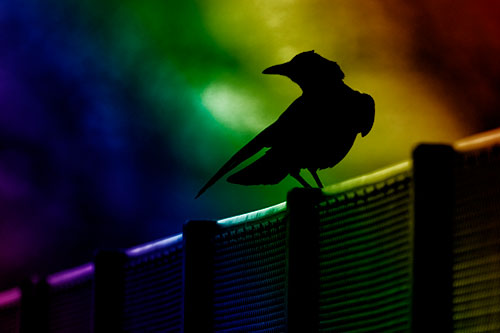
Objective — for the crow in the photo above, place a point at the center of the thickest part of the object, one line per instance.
(315, 132)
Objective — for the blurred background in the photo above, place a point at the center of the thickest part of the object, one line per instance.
(114, 113)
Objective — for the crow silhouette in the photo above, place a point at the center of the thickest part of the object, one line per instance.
(315, 132)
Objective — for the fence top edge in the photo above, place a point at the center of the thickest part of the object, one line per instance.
(71, 274)
(154, 245)
(10, 296)
(478, 141)
(255, 215)
(370, 178)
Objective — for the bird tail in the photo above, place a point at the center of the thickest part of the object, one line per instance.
(250, 149)
(265, 171)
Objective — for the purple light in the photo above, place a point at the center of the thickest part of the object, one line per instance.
(148, 247)
(10, 296)
(71, 274)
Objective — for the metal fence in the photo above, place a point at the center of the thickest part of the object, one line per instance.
(412, 247)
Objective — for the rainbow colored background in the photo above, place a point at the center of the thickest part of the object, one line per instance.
(114, 113)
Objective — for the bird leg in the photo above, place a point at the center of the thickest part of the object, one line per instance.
(301, 180)
(316, 178)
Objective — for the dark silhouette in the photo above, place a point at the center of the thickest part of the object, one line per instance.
(316, 131)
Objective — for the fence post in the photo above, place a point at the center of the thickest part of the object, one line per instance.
(34, 312)
(109, 290)
(302, 260)
(432, 267)
(198, 275)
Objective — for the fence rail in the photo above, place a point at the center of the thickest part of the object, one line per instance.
(411, 247)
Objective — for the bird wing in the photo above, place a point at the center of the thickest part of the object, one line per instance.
(366, 106)
(261, 141)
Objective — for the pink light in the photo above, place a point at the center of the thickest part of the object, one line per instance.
(10, 296)
(71, 274)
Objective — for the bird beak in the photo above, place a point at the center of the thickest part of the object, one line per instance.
(282, 69)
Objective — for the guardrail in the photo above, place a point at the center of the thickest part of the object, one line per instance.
(412, 247)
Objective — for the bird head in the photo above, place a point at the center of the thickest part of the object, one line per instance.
(308, 69)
